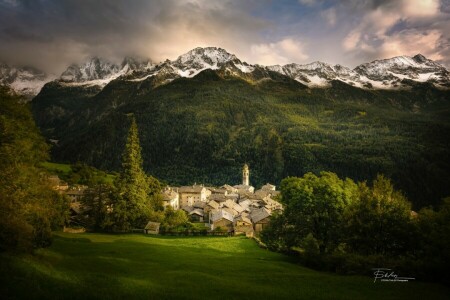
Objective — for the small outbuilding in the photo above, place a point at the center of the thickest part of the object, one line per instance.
(152, 228)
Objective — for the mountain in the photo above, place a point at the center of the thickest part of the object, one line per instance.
(26, 81)
(395, 73)
(398, 73)
(206, 113)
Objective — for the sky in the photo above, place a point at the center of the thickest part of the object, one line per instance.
(51, 34)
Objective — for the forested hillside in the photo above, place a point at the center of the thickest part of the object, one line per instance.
(203, 129)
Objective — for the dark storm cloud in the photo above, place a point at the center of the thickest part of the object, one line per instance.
(51, 34)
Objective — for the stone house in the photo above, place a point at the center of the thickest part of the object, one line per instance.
(243, 224)
(260, 218)
(152, 228)
(211, 205)
(171, 198)
(221, 218)
(196, 215)
(75, 193)
(191, 194)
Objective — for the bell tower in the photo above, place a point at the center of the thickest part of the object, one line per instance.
(245, 175)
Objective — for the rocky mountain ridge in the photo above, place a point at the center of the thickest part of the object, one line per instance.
(399, 72)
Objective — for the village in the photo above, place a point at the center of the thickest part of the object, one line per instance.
(238, 209)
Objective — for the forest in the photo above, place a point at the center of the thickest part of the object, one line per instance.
(205, 128)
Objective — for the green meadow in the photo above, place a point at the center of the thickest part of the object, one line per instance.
(152, 267)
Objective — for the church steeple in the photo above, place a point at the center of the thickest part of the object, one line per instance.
(245, 175)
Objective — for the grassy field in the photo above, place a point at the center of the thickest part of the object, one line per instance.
(136, 266)
(66, 169)
(57, 168)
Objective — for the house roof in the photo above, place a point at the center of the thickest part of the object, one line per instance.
(218, 197)
(269, 187)
(187, 208)
(152, 226)
(218, 191)
(259, 214)
(199, 204)
(245, 203)
(244, 218)
(228, 187)
(229, 203)
(213, 204)
(192, 189)
(243, 187)
(169, 195)
(231, 211)
(221, 214)
(238, 208)
(197, 211)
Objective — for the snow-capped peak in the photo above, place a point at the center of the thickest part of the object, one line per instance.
(26, 81)
(93, 69)
(132, 64)
(204, 57)
(393, 73)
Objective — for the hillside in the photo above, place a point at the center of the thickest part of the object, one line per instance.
(134, 266)
(203, 129)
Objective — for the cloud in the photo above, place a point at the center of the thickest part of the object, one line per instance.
(284, 51)
(307, 2)
(330, 16)
(405, 27)
(53, 34)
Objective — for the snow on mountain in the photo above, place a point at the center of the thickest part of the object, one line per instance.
(26, 81)
(394, 73)
(93, 69)
(316, 74)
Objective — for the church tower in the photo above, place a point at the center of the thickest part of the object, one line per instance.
(245, 175)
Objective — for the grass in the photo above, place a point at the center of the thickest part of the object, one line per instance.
(56, 167)
(152, 267)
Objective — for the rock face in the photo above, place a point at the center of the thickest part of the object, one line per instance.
(26, 81)
(399, 72)
(395, 73)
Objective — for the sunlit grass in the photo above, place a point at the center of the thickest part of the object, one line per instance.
(137, 266)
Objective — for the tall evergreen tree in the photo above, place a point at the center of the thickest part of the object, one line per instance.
(131, 206)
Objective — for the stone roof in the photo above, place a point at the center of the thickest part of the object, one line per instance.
(221, 214)
(197, 189)
(218, 191)
(213, 204)
(197, 211)
(228, 188)
(245, 203)
(268, 187)
(238, 208)
(187, 208)
(244, 218)
(153, 226)
(169, 195)
(231, 211)
(199, 204)
(218, 197)
(229, 203)
(259, 214)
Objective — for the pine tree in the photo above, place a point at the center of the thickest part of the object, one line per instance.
(131, 207)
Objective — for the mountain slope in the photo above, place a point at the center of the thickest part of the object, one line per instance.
(203, 128)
